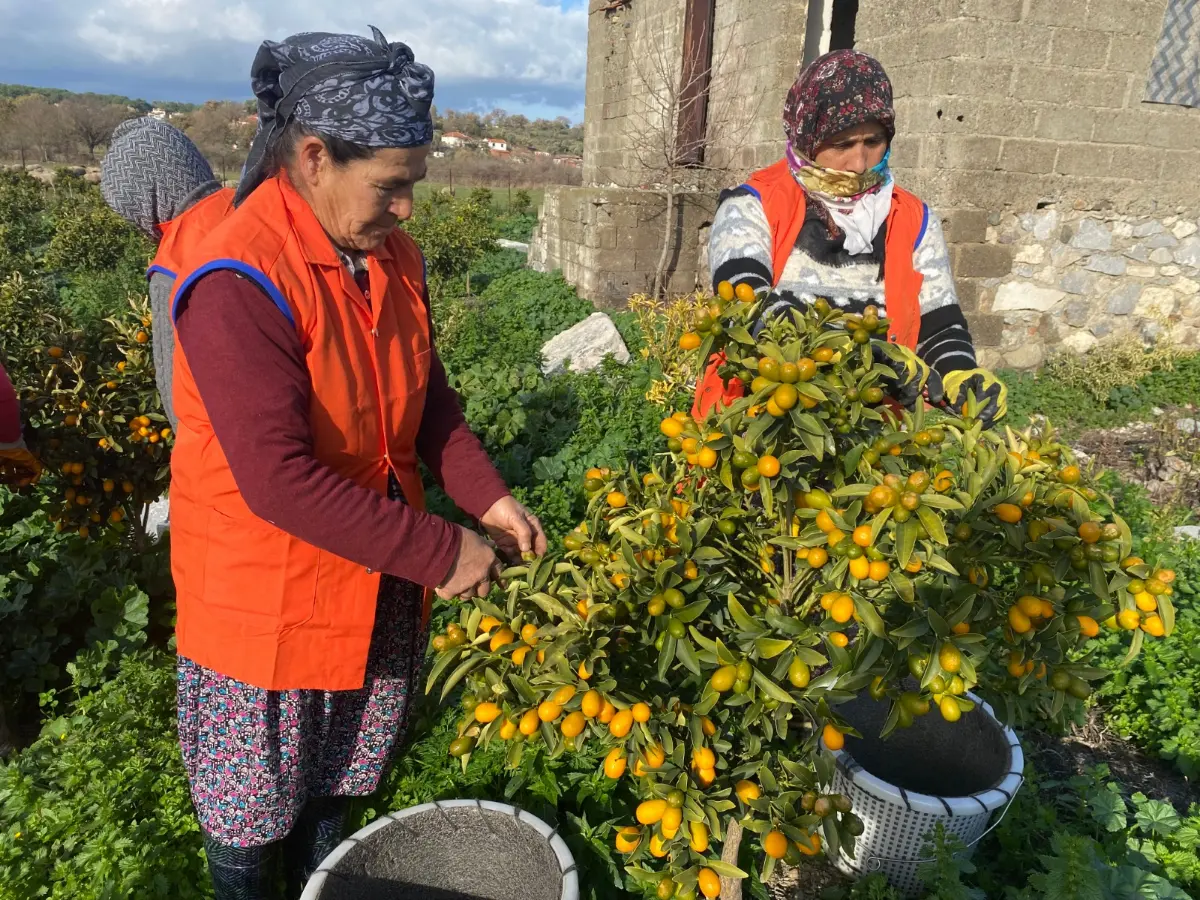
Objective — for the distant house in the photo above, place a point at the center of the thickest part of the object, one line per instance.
(439, 154)
(456, 139)
(251, 119)
(574, 162)
(498, 144)
(161, 114)
(541, 154)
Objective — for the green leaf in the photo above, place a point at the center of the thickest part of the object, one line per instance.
(906, 541)
(933, 525)
(870, 617)
(771, 689)
(742, 618)
(665, 657)
(687, 655)
(725, 869)
(460, 673)
(443, 663)
(769, 648)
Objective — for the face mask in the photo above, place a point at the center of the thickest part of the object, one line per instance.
(835, 183)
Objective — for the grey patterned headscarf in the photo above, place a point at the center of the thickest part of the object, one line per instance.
(152, 172)
(368, 92)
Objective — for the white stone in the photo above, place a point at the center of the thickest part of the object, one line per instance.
(1187, 426)
(1186, 286)
(1162, 255)
(1078, 283)
(1148, 229)
(1188, 532)
(1160, 300)
(512, 245)
(1188, 253)
(1170, 271)
(158, 518)
(1030, 356)
(1157, 411)
(1092, 235)
(1184, 229)
(1080, 342)
(1019, 295)
(1042, 223)
(1033, 254)
(1142, 272)
(1122, 230)
(1064, 257)
(1124, 299)
(585, 345)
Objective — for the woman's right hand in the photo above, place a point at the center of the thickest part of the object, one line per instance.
(474, 570)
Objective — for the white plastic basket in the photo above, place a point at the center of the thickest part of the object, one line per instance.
(897, 823)
(497, 821)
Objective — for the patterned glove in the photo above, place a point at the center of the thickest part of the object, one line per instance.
(911, 383)
(990, 393)
(19, 468)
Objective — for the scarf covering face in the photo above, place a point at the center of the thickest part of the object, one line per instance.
(838, 91)
(152, 172)
(365, 91)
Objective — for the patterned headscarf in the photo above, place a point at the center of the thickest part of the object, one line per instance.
(368, 92)
(152, 172)
(835, 92)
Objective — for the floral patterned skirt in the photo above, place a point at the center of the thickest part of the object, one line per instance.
(254, 757)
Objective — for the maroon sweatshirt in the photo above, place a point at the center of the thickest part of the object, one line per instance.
(249, 368)
(10, 411)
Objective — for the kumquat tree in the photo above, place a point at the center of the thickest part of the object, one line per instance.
(798, 548)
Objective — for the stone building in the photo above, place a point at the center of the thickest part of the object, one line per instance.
(1071, 200)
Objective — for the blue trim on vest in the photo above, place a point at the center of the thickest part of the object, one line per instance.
(752, 190)
(241, 268)
(150, 271)
(924, 225)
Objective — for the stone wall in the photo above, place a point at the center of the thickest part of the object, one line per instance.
(1069, 202)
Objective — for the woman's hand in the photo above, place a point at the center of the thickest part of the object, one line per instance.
(474, 570)
(515, 529)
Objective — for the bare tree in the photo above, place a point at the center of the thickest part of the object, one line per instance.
(222, 133)
(674, 111)
(35, 123)
(92, 120)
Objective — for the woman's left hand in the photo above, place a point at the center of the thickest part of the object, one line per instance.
(514, 529)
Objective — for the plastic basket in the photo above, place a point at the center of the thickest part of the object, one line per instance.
(450, 850)
(976, 753)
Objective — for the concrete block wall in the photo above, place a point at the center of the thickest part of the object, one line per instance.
(1011, 112)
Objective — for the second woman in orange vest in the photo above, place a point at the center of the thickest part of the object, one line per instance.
(828, 221)
(307, 387)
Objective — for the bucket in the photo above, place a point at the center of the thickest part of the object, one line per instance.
(450, 850)
(957, 773)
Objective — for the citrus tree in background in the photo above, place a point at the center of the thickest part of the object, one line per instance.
(793, 551)
(90, 401)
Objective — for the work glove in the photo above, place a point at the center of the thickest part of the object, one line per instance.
(18, 467)
(989, 392)
(913, 380)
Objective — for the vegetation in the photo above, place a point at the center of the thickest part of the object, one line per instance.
(549, 135)
(95, 806)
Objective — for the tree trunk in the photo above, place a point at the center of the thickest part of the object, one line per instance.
(660, 274)
(731, 888)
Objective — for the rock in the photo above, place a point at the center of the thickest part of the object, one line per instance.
(1188, 532)
(1106, 265)
(512, 245)
(92, 177)
(1077, 312)
(1124, 300)
(1080, 342)
(1169, 271)
(1188, 253)
(1157, 411)
(1029, 356)
(1078, 283)
(1156, 300)
(158, 518)
(1102, 329)
(1092, 235)
(1064, 257)
(1162, 240)
(1019, 295)
(1042, 223)
(1148, 229)
(1138, 252)
(1122, 230)
(1184, 229)
(1187, 426)
(1146, 272)
(1032, 255)
(585, 345)
(1187, 286)
(1161, 256)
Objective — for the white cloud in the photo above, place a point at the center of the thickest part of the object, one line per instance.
(482, 50)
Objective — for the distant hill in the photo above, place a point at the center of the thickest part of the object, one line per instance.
(58, 95)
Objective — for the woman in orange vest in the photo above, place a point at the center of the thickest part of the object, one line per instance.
(828, 221)
(158, 181)
(307, 388)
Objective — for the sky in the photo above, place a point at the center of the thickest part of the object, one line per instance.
(526, 56)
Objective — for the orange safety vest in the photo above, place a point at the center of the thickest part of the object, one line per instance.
(185, 231)
(785, 205)
(254, 602)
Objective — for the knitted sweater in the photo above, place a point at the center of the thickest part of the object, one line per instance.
(740, 251)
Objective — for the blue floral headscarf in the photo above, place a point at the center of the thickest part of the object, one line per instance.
(369, 92)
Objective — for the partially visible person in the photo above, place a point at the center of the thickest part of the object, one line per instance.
(156, 179)
(828, 221)
(18, 466)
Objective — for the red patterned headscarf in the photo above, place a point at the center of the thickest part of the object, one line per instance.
(838, 91)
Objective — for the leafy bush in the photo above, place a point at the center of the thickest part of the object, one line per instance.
(99, 807)
(1116, 362)
(453, 234)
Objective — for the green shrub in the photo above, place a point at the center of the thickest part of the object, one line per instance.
(1116, 362)
(98, 808)
(453, 234)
